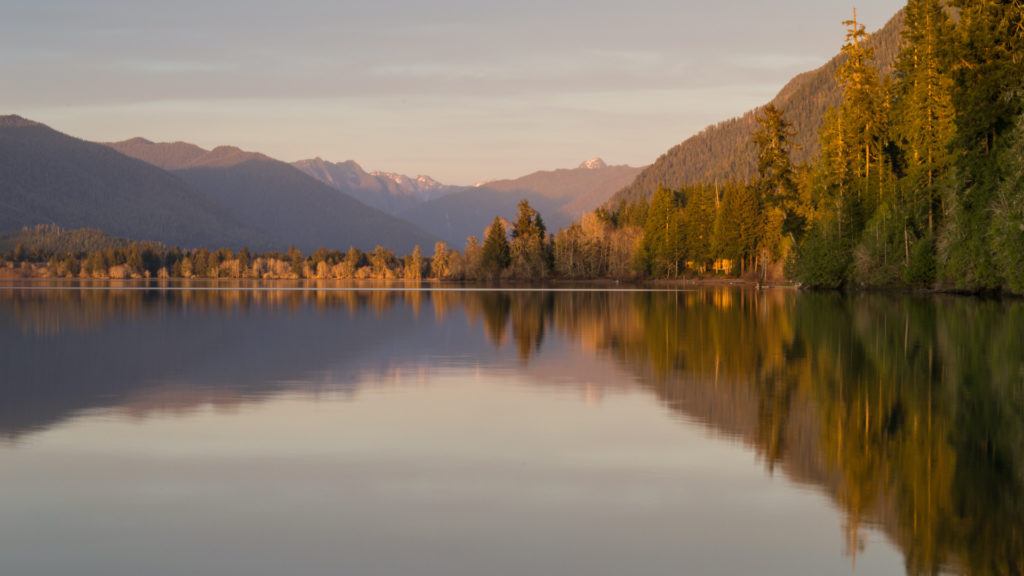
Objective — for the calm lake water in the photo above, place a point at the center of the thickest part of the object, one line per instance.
(399, 432)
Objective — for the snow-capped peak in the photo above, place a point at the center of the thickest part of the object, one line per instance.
(593, 164)
(427, 182)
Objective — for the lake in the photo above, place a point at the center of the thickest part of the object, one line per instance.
(316, 430)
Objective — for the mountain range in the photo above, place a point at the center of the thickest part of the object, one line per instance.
(278, 202)
(179, 193)
(454, 213)
(386, 191)
(49, 178)
(182, 194)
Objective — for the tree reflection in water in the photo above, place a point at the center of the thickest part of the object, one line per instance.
(908, 411)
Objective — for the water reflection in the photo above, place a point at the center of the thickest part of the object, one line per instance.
(907, 411)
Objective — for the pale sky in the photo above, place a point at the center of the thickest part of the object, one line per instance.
(462, 90)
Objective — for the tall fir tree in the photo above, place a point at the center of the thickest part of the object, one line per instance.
(530, 249)
(776, 186)
(924, 110)
(664, 242)
(699, 218)
(496, 254)
(863, 112)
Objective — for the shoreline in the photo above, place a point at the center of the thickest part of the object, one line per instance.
(37, 283)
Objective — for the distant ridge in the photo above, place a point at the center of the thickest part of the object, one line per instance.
(723, 152)
(455, 212)
(47, 177)
(287, 206)
(575, 191)
(392, 193)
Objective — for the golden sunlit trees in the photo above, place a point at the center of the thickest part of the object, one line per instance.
(530, 250)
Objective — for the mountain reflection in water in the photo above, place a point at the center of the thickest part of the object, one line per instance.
(908, 412)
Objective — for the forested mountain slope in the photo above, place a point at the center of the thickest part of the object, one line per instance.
(50, 178)
(724, 152)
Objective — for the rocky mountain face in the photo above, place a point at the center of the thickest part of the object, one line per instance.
(390, 192)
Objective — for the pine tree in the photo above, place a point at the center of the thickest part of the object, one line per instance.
(925, 113)
(440, 268)
(698, 226)
(414, 264)
(863, 112)
(664, 243)
(776, 186)
(530, 250)
(776, 178)
(473, 253)
(244, 260)
(849, 176)
(496, 255)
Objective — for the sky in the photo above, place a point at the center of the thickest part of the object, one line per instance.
(461, 90)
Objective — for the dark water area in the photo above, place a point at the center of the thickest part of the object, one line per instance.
(317, 430)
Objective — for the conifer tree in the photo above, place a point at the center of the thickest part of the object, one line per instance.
(776, 185)
(776, 179)
(496, 254)
(531, 254)
(473, 254)
(863, 112)
(414, 264)
(440, 267)
(925, 113)
(698, 226)
(664, 243)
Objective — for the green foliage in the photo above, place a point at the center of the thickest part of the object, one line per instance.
(664, 244)
(922, 266)
(530, 249)
(723, 152)
(46, 241)
(1006, 232)
(987, 98)
(698, 219)
(496, 255)
(881, 256)
(823, 259)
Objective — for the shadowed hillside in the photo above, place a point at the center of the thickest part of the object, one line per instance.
(50, 178)
(287, 206)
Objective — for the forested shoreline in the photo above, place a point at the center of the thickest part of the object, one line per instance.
(919, 184)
